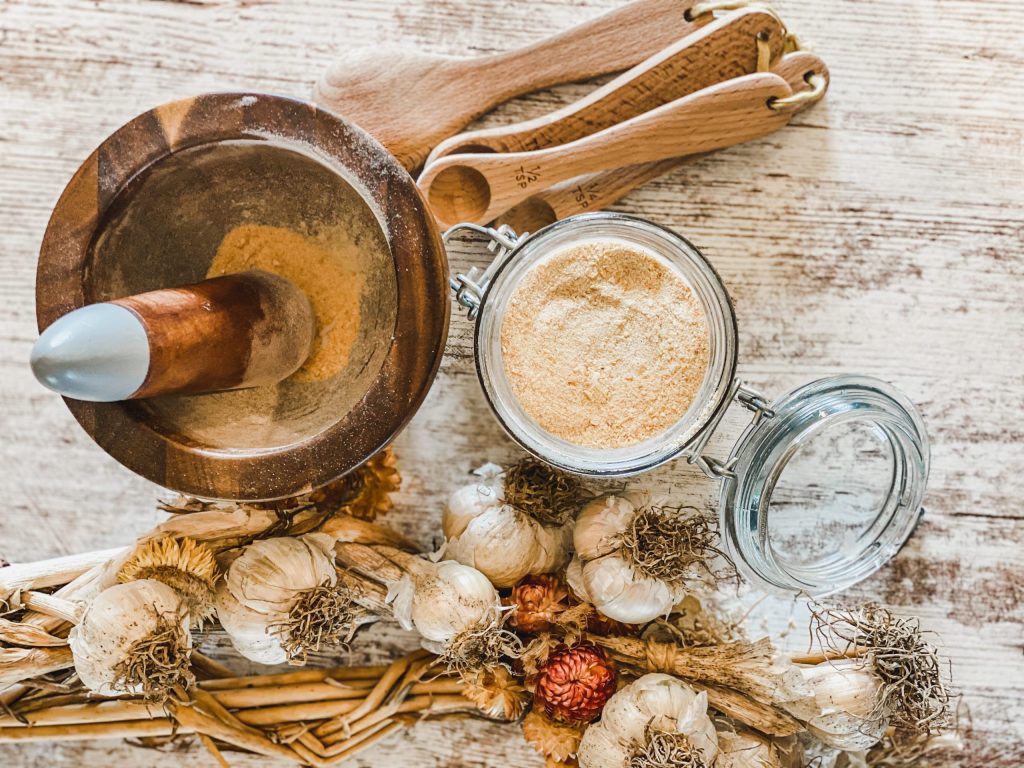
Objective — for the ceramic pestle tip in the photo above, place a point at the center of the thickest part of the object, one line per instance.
(99, 353)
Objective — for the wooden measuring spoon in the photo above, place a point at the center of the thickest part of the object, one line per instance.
(479, 187)
(599, 190)
(724, 49)
(411, 101)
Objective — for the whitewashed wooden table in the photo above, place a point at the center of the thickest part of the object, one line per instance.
(882, 233)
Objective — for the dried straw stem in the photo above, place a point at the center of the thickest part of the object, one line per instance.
(339, 674)
(17, 664)
(743, 709)
(745, 667)
(368, 563)
(161, 726)
(52, 606)
(54, 572)
(351, 530)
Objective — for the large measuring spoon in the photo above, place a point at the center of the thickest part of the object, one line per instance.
(411, 101)
(477, 188)
(599, 190)
(728, 47)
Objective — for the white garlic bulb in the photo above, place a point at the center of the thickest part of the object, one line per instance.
(844, 709)
(604, 577)
(106, 642)
(443, 600)
(504, 543)
(655, 708)
(264, 585)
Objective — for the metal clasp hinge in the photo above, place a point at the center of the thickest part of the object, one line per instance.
(470, 287)
(750, 399)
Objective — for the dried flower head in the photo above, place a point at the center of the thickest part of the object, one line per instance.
(556, 741)
(537, 603)
(575, 682)
(546, 494)
(184, 565)
(913, 694)
(497, 693)
(365, 492)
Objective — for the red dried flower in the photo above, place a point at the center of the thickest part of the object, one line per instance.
(575, 683)
(538, 600)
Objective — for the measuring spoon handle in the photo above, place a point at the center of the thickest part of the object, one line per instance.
(597, 191)
(721, 50)
(478, 188)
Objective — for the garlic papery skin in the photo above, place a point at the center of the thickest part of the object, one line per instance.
(442, 600)
(655, 707)
(115, 626)
(748, 750)
(504, 543)
(266, 584)
(844, 711)
(604, 577)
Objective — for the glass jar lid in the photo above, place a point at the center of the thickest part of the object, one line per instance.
(825, 486)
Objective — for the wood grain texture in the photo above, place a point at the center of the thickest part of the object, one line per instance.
(881, 233)
(480, 187)
(722, 49)
(413, 100)
(88, 250)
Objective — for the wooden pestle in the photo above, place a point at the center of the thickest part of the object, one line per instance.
(245, 330)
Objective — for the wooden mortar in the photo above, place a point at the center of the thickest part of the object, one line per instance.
(147, 210)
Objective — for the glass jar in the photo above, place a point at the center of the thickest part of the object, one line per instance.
(822, 488)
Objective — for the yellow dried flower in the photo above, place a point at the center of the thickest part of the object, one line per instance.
(557, 741)
(497, 693)
(366, 492)
(185, 565)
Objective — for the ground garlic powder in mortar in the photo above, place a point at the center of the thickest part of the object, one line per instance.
(324, 268)
(604, 344)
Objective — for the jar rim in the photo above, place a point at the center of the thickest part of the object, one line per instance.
(763, 451)
(684, 257)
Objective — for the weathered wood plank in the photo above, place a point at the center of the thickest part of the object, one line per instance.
(881, 233)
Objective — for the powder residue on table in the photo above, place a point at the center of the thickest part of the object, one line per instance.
(604, 344)
(325, 268)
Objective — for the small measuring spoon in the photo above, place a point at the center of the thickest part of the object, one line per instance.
(597, 191)
(479, 187)
(726, 48)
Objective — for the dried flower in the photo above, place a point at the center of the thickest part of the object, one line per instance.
(496, 692)
(654, 722)
(365, 492)
(506, 542)
(537, 602)
(574, 683)
(555, 741)
(182, 564)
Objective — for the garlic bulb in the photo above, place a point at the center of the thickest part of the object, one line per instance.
(441, 600)
(844, 711)
(624, 576)
(281, 598)
(656, 720)
(133, 639)
(486, 529)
